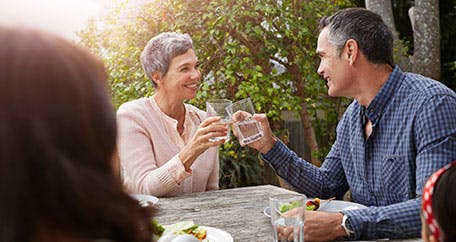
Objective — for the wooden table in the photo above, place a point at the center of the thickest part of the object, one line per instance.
(238, 211)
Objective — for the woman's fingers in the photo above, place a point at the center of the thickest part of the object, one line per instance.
(210, 120)
(211, 128)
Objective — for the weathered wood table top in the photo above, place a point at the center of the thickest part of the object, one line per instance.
(238, 211)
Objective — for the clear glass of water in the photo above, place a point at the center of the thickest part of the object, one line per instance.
(247, 129)
(287, 228)
(217, 107)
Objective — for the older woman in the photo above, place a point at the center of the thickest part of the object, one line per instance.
(163, 142)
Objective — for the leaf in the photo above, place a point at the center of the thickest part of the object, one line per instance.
(259, 49)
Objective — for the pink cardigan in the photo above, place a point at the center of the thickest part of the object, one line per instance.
(148, 146)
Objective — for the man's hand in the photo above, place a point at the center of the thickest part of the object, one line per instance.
(319, 226)
(267, 142)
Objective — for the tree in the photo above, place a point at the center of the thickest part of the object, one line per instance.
(424, 18)
(264, 49)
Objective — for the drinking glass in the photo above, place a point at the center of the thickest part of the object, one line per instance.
(217, 107)
(280, 204)
(247, 128)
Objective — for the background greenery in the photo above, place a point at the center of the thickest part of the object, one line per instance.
(264, 49)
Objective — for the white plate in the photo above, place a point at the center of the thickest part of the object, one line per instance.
(145, 200)
(329, 206)
(212, 235)
(216, 235)
(338, 205)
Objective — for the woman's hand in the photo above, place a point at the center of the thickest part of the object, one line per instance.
(210, 128)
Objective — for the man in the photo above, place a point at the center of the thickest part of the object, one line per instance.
(400, 128)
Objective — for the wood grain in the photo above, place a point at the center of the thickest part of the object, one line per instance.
(238, 211)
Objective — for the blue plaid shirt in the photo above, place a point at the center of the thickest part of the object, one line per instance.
(414, 133)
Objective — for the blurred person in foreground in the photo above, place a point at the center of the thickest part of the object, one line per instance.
(399, 129)
(439, 206)
(58, 137)
(164, 145)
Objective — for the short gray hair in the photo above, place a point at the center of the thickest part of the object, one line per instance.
(161, 49)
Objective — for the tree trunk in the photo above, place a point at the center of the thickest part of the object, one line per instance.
(309, 131)
(426, 35)
(384, 9)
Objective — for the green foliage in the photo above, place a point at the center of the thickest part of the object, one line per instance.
(239, 166)
(119, 39)
(263, 49)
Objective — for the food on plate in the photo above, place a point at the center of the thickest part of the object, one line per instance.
(284, 207)
(313, 205)
(183, 228)
(157, 228)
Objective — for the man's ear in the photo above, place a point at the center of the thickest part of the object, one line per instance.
(351, 50)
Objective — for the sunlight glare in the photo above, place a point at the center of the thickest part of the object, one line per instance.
(63, 17)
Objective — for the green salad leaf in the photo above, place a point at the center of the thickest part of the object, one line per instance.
(180, 227)
(157, 228)
(284, 207)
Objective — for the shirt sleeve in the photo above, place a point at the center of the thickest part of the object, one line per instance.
(400, 220)
(324, 182)
(141, 172)
(435, 133)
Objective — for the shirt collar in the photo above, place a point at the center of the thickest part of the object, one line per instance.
(375, 109)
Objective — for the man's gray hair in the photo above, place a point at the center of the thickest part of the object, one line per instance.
(161, 49)
(367, 28)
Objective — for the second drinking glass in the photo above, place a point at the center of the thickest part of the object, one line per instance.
(247, 129)
(287, 228)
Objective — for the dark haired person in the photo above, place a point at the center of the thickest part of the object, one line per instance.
(399, 129)
(439, 206)
(58, 137)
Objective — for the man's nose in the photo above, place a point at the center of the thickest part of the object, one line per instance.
(320, 70)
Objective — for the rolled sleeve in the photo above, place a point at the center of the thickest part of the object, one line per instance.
(400, 220)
